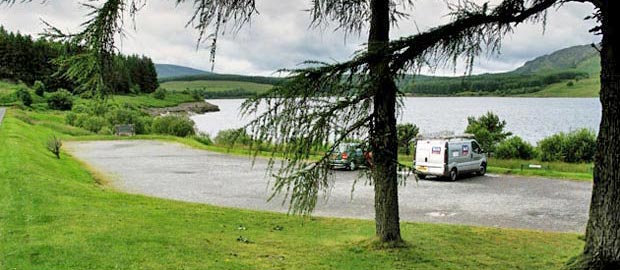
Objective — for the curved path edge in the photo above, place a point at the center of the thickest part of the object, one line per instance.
(174, 171)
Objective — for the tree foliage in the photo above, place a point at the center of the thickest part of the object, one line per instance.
(406, 135)
(37, 63)
(488, 130)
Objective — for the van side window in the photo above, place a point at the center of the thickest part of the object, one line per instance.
(475, 147)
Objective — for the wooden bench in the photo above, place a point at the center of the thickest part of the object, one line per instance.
(124, 130)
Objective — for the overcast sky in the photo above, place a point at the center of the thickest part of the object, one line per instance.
(279, 36)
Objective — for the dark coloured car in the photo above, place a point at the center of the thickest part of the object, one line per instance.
(349, 156)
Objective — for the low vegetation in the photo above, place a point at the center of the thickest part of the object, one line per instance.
(58, 216)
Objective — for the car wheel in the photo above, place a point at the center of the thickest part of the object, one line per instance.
(453, 174)
(483, 169)
(352, 166)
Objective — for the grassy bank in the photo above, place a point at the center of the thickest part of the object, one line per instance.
(559, 170)
(54, 215)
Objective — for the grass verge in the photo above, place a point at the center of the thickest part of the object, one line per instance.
(53, 215)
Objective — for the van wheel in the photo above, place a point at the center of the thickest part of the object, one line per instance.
(483, 169)
(422, 176)
(352, 166)
(453, 174)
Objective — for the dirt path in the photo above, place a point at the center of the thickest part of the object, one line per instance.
(177, 172)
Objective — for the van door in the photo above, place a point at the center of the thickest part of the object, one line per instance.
(477, 155)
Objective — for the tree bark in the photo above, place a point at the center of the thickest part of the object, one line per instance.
(383, 132)
(602, 250)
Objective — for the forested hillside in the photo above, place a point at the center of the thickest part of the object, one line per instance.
(25, 59)
(168, 71)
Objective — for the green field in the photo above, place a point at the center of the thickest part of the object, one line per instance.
(55, 214)
(215, 86)
(589, 87)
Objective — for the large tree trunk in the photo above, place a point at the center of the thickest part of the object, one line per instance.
(602, 250)
(383, 133)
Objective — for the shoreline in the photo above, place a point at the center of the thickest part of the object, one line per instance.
(199, 107)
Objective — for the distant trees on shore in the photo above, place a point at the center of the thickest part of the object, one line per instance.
(25, 59)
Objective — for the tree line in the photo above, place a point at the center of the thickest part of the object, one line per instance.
(28, 60)
(499, 84)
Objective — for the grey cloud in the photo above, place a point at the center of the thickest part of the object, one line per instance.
(280, 37)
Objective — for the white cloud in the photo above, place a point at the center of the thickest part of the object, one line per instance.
(280, 37)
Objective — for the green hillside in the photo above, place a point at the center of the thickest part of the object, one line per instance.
(570, 72)
(580, 58)
(168, 71)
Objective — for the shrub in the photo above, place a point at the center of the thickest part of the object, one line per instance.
(93, 123)
(406, 135)
(53, 145)
(570, 84)
(233, 136)
(39, 88)
(576, 146)
(488, 130)
(128, 116)
(71, 118)
(106, 131)
(160, 93)
(60, 100)
(203, 138)
(24, 96)
(176, 125)
(197, 94)
(515, 147)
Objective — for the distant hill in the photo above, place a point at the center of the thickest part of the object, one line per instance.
(569, 72)
(168, 71)
(582, 58)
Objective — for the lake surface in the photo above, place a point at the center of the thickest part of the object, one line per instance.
(530, 118)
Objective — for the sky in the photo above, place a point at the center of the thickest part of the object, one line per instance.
(280, 37)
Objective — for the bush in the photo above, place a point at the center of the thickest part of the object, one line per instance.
(515, 147)
(203, 138)
(406, 135)
(106, 131)
(197, 94)
(93, 123)
(71, 118)
(53, 145)
(233, 136)
(176, 125)
(488, 130)
(576, 146)
(24, 96)
(60, 100)
(160, 93)
(39, 88)
(128, 116)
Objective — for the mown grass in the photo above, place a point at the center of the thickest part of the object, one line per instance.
(559, 170)
(53, 215)
(215, 86)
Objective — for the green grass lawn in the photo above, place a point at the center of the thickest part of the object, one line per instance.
(560, 170)
(215, 86)
(54, 215)
(583, 88)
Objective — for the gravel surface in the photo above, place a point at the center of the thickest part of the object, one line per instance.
(177, 172)
(2, 110)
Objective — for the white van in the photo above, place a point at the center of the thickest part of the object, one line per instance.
(449, 156)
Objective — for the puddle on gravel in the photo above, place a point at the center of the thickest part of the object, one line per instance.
(440, 214)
